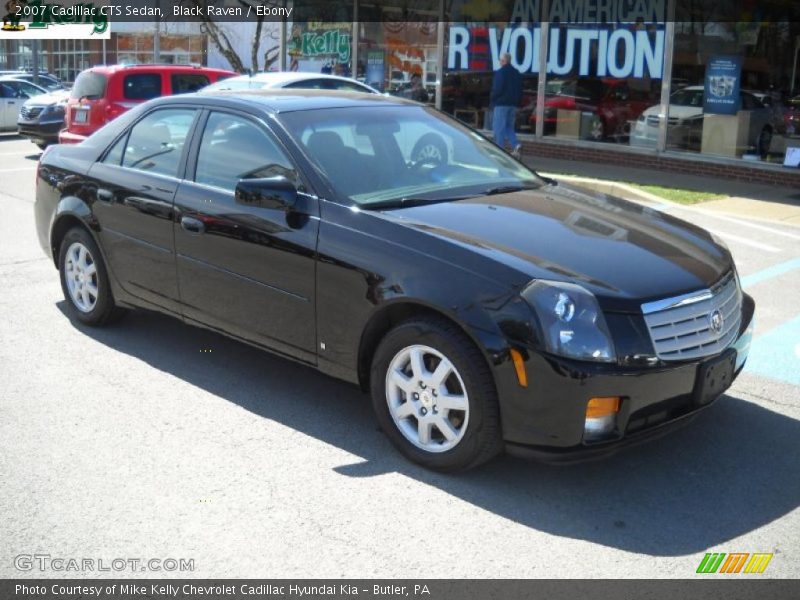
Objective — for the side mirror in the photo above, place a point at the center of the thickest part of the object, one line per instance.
(268, 192)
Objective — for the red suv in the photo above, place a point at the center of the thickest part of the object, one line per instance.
(101, 94)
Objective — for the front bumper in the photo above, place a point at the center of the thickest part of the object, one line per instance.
(547, 419)
(67, 137)
(40, 132)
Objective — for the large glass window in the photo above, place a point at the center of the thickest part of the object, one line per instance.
(397, 48)
(732, 89)
(476, 37)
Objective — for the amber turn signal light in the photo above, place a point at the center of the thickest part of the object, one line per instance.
(519, 366)
(602, 407)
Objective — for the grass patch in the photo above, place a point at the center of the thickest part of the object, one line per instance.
(678, 195)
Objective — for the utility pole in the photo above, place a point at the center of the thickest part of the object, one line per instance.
(35, 56)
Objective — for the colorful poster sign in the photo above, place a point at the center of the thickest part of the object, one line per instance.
(375, 73)
(723, 77)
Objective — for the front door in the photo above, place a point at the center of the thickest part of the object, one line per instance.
(134, 187)
(246, 269)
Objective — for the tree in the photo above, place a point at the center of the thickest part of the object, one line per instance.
(221, 37)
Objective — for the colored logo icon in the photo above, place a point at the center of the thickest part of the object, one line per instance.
(735, 562)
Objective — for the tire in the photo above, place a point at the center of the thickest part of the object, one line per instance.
(42, 146)
(763, 142)
(472, 417)
(430, 147)
(84, 280)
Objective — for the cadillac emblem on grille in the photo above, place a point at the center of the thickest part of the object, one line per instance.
(715, 321)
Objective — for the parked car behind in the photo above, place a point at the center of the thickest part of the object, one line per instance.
(13, 94)
(686, 121)
(613, 103)
(48, 82)
(483, 307)
(42, 117)
(101, 94)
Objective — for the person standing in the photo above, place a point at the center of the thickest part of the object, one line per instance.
(505, 98)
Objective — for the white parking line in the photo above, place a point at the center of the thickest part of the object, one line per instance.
(742, 240)
(716, 215)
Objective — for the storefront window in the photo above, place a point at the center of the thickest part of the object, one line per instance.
(397, 48)
(477, 34)
(320, 38)
(732, 89)
(602, 78)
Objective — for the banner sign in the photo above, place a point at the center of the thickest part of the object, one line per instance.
(598, 51)
(375, 69)
(723, 76)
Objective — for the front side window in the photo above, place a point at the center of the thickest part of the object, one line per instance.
(235, 148)
(155, 143)
(141, 86)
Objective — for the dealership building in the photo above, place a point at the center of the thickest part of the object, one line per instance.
(689, 86)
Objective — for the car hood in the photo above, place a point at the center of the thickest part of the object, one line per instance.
(48, 99)
(624, 253)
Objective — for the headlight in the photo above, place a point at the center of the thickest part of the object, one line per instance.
(57, 109)
(571, 321)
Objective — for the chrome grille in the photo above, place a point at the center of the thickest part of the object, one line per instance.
(31, 112)
(681, 328)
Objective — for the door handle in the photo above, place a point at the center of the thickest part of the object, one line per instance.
(192, 225)
(105, 195)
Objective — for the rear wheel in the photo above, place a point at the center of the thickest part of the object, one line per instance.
(84, 280)
(434, 396)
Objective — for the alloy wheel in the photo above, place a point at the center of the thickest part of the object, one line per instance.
(80, 273)
(427, 398)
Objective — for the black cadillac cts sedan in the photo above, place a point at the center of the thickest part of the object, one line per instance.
(483, 307)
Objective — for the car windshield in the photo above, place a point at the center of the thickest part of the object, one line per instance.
(89, 85)
(374, 155)
(687, 98)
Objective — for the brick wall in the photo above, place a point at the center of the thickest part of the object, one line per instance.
(691, 164)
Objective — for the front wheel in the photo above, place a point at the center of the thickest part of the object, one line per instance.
(434, 396)
(84, 280)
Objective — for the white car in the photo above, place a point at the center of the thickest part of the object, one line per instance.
(685, 122)
(290, 80)
(13, 94)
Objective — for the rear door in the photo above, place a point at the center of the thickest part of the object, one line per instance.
(135, 186)
(7, 104)
(246, 269)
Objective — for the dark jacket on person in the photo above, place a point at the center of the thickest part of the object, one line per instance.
(506, 87)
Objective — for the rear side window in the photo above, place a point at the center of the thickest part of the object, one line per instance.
(155, 143)
(185, 83)
(89, 85)
(141, 86)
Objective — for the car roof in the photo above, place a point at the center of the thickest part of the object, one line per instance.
(110, 69)
(279, 77)
(17, 79)
(282, 100)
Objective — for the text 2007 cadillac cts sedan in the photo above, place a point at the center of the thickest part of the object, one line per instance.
(483, 307)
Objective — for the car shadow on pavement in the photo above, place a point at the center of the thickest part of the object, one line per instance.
(734, 469)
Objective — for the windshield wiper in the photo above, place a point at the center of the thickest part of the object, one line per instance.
(408, 202)
(507, 189)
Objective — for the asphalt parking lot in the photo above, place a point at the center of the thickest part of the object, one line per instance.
(152, 439)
